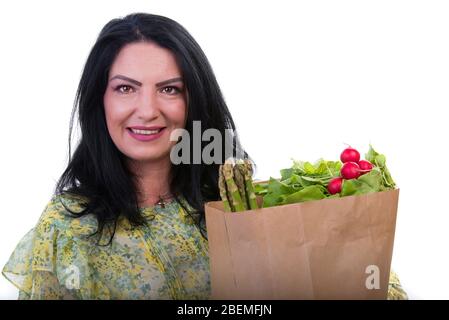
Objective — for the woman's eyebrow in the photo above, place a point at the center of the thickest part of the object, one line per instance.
(138, 83)
(119, 76)
(163, 83)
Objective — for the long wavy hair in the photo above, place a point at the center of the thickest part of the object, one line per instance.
(98, 171)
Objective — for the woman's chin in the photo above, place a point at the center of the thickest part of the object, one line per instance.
(154, 157)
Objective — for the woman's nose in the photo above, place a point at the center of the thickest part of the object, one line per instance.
(147, 105)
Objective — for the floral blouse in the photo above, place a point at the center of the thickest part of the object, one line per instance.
(58, 260)
(167, 259)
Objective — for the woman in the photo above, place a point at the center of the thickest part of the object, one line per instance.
(125, 222)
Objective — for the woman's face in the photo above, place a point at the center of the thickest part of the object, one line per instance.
(144, 90)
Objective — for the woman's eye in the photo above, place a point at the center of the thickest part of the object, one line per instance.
(171, 90)
(126, 88)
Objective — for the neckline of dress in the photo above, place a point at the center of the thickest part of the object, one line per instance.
(153, 207)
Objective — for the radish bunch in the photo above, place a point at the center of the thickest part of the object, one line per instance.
(352, 168)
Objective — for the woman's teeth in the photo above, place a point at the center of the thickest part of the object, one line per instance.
(147, 132)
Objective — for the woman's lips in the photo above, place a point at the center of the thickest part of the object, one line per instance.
(146, 137)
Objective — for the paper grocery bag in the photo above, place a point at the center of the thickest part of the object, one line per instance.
(325, 249)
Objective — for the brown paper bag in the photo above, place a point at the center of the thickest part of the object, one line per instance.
(325, 249)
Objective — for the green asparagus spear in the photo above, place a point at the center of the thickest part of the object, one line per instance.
(240, 182)
(223, 191)
(235, 197)
(251, 195)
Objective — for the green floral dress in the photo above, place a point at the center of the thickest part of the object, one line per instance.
(58, 260)
(168, 259)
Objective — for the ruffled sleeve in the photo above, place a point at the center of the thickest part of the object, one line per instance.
(49, 262)
(395, 290)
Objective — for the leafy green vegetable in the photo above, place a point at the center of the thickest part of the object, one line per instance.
(306, 181)
(379, 161)
(367, 183)
(260, 188)
(306, 194)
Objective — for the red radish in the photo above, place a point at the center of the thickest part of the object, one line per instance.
(334, 185)
(365, 166)
(350, 170)
(350, 155)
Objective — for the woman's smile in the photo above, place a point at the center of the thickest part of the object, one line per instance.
(146, 135)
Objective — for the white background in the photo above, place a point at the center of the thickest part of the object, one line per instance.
(300, 78)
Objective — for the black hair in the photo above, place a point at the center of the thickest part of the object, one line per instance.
(98, 170)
